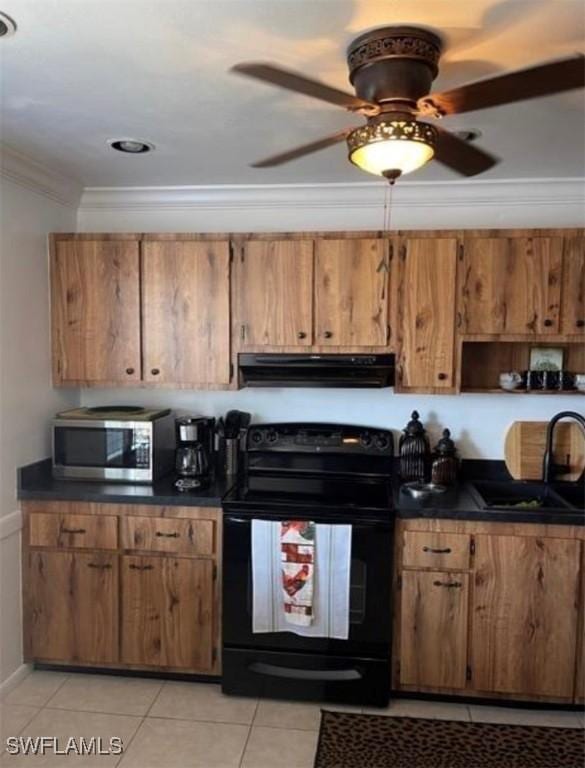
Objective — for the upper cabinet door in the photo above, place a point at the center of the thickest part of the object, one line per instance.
(426, 325)
(185, 306)
(511, 285)
(573, 311)
(351, 293)
(273, 293)
(95, 311)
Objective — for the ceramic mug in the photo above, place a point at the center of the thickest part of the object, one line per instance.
(510, 380)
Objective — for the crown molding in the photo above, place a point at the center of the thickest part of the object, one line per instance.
(35, 176)
(443, 194)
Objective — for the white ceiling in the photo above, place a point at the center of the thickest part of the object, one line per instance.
(79, 72)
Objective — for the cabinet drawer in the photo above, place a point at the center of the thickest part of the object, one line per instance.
(161, 534)
(73, 531)
(436, 550)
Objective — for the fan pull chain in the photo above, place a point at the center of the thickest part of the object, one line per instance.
(388, 194)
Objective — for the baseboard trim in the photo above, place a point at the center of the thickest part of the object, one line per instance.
(10, 524)
(15, 679)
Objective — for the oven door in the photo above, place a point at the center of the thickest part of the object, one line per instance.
(370, 589)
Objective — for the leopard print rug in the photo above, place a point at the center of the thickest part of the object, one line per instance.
(375, 741)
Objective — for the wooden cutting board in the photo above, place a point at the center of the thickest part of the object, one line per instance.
(525, 443)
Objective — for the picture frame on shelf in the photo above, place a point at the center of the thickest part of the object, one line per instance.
(546, 358)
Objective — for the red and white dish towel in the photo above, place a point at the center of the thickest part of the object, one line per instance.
(297, 554)
(300, 578)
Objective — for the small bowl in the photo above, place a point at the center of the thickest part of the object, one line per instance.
(422, 490)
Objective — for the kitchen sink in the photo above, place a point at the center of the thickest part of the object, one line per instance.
(519, 495)
(572, 493)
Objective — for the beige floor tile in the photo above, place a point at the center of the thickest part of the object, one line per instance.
(107, 693)
(545, 717)
(282, 747)
(162, 743)
(202, 701)
(272, 713)
(37, 688)
(63, 725)
(433, 710)
(13, 718)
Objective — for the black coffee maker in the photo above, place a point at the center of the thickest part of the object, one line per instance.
(194, 454)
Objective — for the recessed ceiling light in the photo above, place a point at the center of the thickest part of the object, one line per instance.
(131, 146)
(468, 135)
(7, 25)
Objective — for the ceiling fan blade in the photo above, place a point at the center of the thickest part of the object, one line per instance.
(301, 84)
(461, 156)
(542, 80)
(305, 149)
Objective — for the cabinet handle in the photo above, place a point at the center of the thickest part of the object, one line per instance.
(141, 567)
(174, 535)
(437, 551)
(548, 323)
(580, 323)
(301, 335)
(448, 584)
(100, 566)
(155, 371)
(72, 530)
(129, 371)
(442, 376)
(328, 334)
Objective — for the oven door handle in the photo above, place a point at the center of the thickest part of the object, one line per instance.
(273, 670)
(374, 524)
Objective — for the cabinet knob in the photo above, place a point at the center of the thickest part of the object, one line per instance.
(328, 334)
(129, 371)
(448, 584)
(301, 335)
(548, 323)
(155, 371)
(442, 376)
(580, 323)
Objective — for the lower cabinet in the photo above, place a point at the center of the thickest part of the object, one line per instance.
(167, 612)
(504, 621)
(433, 642)
(72, 602)
(144, 596)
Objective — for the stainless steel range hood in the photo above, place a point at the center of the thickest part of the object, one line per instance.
(307, 370)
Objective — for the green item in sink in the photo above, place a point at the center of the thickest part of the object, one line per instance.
(528, 504)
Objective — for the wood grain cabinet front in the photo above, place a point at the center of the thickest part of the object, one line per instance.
(436, 550)
(73, 531)
(167, 612)
(573, 292)
(510, 285)
(178, 536)
(71, 604)
(433, 649)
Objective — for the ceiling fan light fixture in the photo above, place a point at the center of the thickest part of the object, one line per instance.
(392, 147)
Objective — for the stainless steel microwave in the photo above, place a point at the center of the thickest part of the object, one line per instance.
(113, 443)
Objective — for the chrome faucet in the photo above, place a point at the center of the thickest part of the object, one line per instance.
(548, 451)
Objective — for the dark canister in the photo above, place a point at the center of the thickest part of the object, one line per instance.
(445, 466)
(414, 451)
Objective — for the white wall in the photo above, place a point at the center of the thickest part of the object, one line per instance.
(27, 400)
(478, 422)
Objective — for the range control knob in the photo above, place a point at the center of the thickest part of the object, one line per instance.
(365, 439)
(381, 442)
(271, 436)
(256, 437)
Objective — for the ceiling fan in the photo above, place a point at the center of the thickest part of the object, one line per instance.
(391, 70)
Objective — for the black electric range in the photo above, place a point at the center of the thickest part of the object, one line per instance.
(330, 474)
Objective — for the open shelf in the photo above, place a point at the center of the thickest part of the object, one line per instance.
(483, 361)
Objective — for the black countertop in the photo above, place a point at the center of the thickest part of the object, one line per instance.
(35, 482)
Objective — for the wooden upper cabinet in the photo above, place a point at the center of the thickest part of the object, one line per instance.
(351, 292)
(433, 636)
(573, 293)
(510, 285)
(273, 298)
(185, 312)
(95, 311)
(524, 619)
(426, 313)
